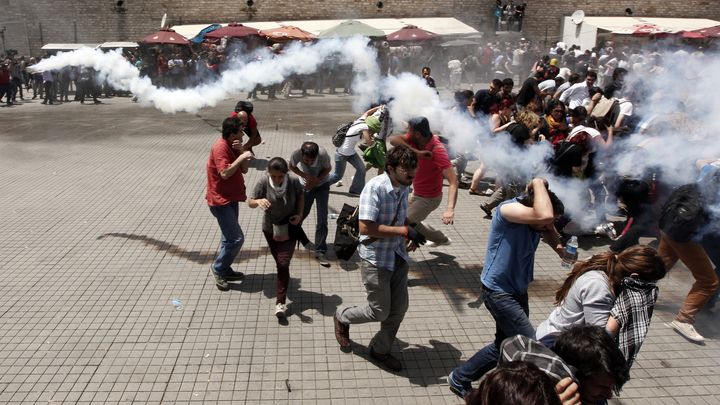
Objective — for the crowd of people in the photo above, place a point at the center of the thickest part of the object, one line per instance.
(579, 103)
(583, 351)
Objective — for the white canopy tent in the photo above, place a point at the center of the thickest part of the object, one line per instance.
(586, 32)
(108, 45)
(66, 47)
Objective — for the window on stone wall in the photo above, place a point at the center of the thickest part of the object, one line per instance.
(508, 15)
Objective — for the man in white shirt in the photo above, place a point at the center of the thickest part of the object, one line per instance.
(578, 94)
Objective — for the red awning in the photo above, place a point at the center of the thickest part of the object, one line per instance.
(693, 35)
(165, 36)
(644, 30)
(712, 32)
(411, 33)
(233, 30)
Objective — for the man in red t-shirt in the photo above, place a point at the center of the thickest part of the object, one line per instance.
(225, 188)
(433, 166)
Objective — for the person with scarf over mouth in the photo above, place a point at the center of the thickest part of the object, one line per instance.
(280, 195)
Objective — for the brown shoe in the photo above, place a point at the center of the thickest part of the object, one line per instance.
(342, 333)
(387, 360)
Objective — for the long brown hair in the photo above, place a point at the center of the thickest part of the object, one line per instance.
(641, 260)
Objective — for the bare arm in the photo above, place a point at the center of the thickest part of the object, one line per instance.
(241, 163)
(375, 230)
(449, 214)
(541, 213)
(552, 237)
(399, 140)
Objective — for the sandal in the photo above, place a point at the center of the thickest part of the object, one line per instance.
(473, 192)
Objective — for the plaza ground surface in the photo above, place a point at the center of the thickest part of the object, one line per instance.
(104, 224)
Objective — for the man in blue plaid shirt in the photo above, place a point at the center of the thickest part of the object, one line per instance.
(384, 242)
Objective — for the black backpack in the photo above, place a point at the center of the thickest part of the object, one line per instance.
(340, 134)
(684, 213)
(347, 236)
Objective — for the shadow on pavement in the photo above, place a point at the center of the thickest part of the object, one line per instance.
(299, 300)
(192, 255)
(422, 365)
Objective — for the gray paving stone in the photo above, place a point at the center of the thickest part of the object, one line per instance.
(106, 203)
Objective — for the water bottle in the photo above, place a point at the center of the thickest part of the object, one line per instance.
(570, 254)
(178, 304)
(333, 216)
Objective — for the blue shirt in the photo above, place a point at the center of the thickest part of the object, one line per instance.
(380, 203)
(510, 256)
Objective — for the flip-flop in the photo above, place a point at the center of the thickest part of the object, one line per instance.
(473, 192)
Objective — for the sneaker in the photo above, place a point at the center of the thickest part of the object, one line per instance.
(456, 387)
(280, 310)
(234, 275)
(387, 360)
(687, 331)
(436, 244)
(342, 333)
(339, 184)
(488, 211)
(607, 229)
(309, 246)
(220, 282)
(320, 257)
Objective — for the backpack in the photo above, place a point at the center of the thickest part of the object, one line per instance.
(684, 213)
(347, 236)
(340, 134)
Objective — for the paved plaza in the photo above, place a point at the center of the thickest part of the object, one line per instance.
(106, 297)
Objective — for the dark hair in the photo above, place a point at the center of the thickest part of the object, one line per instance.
(463, 96)
(619, 72)
(278, 163)
(426, 67)
(497, 82)
(528, 199)
(552, 104)
(591, 350)
(231, 125)
(641, 260)
(592, 74)
(508, 82)
(516, 382)
(310, 149)
(401, 156)
(574, 78)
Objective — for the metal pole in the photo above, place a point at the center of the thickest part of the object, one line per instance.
(2, 35)
(75, 31)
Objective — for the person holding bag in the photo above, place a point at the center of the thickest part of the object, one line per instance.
(280, 195)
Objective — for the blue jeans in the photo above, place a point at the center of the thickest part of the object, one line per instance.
(510, 312)
(232, 236)
(340, 162)
(320, 195)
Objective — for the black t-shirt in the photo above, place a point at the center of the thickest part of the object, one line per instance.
(527, 92)
(484, 101)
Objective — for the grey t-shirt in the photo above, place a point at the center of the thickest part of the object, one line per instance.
(280, 208)
(588, 302)
(322, 162)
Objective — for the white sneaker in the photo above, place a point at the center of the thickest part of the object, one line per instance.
(433, 244)
(687, 330)
(339, 184)
(280, 310)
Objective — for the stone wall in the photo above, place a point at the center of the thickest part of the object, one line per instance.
(30, 24)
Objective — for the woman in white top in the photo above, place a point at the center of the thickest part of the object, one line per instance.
(362, 130)
(588, 293)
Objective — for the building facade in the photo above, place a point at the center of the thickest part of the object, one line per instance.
(27, 25)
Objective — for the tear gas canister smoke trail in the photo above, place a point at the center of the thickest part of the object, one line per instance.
(239, 77)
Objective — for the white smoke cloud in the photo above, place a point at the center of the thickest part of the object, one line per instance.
(678, 94)
(264, 69)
